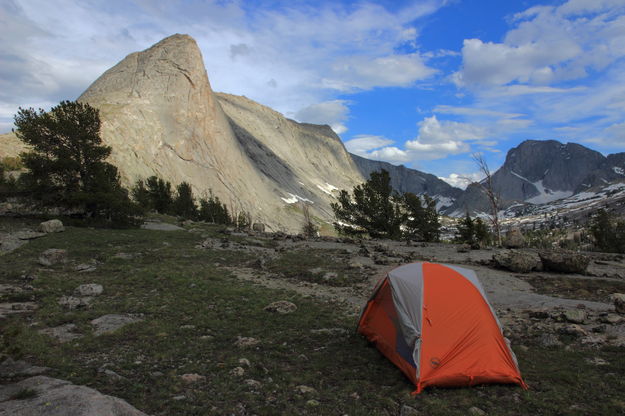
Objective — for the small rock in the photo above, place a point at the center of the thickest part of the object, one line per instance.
(52, 226)
(612, 319)
(244, 362)
(52, 256)
(179, 397)
(408, 411)
(89, 289)
(476, 411)
(107, 324)
(597, 361)
(312, 403)
(246, 342)
(330, 276)
(619, 302)
(259, 227)
(63, 333)
(281, 307)
(85, 268)
(329, 331)
(575, 330)
(549, 340)
(577, 316)
(72, 302)
(192, 378)
(255, 384)
(463, 248)
(593, 340)
(301, 389)
(237, 372)
(110, 374)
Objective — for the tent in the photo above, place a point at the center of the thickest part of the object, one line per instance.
(433, 322)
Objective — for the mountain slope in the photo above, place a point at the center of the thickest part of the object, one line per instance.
(404, 179)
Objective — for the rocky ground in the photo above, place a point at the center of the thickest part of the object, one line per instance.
(72, 297)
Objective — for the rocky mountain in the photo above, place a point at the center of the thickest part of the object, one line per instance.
(404, 179)
(539, 172)
(161, 117)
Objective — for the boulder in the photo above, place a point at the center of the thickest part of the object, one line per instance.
(517, 261)
(52, 226)
(562, 261)
(619, 302)
(52, 256)
(73, 302)
(89, 289)
(63, 333)
(258, 227)
(107, 324)
(58, 397)
(576, 316)
(514, 239)
(12, 368)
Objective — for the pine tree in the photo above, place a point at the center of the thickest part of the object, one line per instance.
(160, 194)
(212, 210)
(421, 219)
(466, 230)
(374, 209)
(67, 167)
(184, 204)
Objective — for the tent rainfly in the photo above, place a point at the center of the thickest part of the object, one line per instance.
(433, 322)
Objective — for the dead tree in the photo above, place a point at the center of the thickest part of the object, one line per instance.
(493, 196)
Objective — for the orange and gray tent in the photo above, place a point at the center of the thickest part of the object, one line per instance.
(433, 322)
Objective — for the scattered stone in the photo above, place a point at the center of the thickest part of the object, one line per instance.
(52, 256)
(244, 362)
(517, 261)
(514, 239)
(576, 316)
(539, 314)
(476, 411)
(16, 307)
(89, 289)
(28, 235)
(110, 374)
(593, 340)
(328, 276)
(619, 302)
(73, 303)
(312, 403)
(124, 256)
(612, 319)
(356, 265)
(408, 411)
(187, 327)
(237, 372)
(281, 307)
(8, 243)
(179, 397)
(59, 397)
(52, 226)
(12, 368)
(255, 384)
(107, 324)
(562, 261)
(301, 389)
(192, 378)
(160, 226)
(575, 330)
(246, 342)
(85, 268)
(463, 248)
(549, 340)
(329, 331)
(597, 361)
(63, 333)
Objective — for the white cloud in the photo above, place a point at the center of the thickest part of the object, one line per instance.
(363, 144)
(391, 154)
(334, 113)
(287, 57)
(462, 180)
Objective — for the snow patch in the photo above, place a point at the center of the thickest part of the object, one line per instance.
(618, 171)
(520, 177)
(328, 188)
(547, 195)
(292, 199)
(443, 202)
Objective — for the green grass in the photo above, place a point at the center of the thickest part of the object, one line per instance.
(194, 311)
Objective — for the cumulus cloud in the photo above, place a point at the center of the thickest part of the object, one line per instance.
(333, 113)
(54, 50)
(462, 180)
(361, 145)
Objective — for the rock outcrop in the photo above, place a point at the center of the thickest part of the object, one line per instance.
(161, 117)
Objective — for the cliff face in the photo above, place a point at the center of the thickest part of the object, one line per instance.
(161, 117)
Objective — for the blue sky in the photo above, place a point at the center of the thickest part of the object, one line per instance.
(421, 83)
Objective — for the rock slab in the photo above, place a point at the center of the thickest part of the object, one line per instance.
(54, 397)
(52, 226)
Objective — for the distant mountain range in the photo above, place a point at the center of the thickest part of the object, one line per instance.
(161, 117)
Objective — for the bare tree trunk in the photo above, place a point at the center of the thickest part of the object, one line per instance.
(493, 196)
